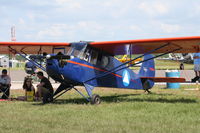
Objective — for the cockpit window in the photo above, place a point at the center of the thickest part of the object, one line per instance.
(84, 52)
(77, 49)
(94, 56)
(90, 55)
(104, 61)
(86, 55)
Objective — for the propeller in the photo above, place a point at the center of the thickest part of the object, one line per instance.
(37, 57)
(58, 57)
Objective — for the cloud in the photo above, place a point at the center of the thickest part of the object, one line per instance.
(135, 28)
(55, 30)
(68, 5)
(117, 10)
(170, 28)
(21, 21)
(82, 30)
(38, 3)
(153, 8)
(85, 25)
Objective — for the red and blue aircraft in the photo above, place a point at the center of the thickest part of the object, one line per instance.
(92, 64)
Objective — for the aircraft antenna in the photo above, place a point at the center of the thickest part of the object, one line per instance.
(13, 37)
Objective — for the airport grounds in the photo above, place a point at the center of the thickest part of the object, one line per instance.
(121, 110)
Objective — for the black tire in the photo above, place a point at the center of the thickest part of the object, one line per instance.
(95, 99)
(47, 98)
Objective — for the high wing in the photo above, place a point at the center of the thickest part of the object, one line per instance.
(30, 47)
(140, 46)
(184, 44)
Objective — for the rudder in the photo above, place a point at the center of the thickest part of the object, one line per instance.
(147, 70)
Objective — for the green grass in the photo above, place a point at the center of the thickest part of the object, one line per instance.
(171, 65)
(168, 64)
(12, 68)
(121, 111)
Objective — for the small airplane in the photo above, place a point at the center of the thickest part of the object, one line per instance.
(181, 57)
(125, 58)
(92, 64)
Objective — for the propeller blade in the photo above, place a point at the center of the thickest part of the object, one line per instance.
(58, 57)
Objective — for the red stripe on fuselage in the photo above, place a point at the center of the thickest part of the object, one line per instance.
(88, 66)
(152, 69)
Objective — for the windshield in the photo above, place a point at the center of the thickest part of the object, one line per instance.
(77, 49)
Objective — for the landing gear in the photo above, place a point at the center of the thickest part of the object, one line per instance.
(95, 99)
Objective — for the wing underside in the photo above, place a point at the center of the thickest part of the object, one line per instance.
(30, 47)
(184, 44)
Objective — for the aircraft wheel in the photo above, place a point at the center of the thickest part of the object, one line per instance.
(95, 99)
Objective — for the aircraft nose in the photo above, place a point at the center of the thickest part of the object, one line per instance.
(53, 70)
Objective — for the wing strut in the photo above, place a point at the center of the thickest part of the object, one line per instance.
(124, 64)
(25, 57)
(66, 89)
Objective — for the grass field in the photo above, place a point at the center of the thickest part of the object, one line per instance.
(121, 111)
(168, 64)
(171, 65)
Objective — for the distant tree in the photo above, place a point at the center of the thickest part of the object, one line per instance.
(19, 58)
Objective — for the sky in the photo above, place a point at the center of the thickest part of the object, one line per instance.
(98, 20)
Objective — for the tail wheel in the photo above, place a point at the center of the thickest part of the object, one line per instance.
(95, 99)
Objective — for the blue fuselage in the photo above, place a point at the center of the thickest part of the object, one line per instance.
(77, 71)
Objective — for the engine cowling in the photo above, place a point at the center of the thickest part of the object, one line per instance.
(30, 68)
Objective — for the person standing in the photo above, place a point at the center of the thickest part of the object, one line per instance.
(196, 58)
(181, 66)
(5, 83)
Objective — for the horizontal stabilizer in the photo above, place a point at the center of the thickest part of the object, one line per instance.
(165, 79)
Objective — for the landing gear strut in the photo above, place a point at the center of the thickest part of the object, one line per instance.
(93, 99)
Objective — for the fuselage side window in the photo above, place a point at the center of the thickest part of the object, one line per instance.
(86, 55)
(94, 56)
(90, 55)
(99, 59)
(104, 61)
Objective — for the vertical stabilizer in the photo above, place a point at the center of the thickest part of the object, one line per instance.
(148, 67)
(147, 70)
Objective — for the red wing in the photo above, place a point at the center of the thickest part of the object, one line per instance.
(30, 47)
(187, 45)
